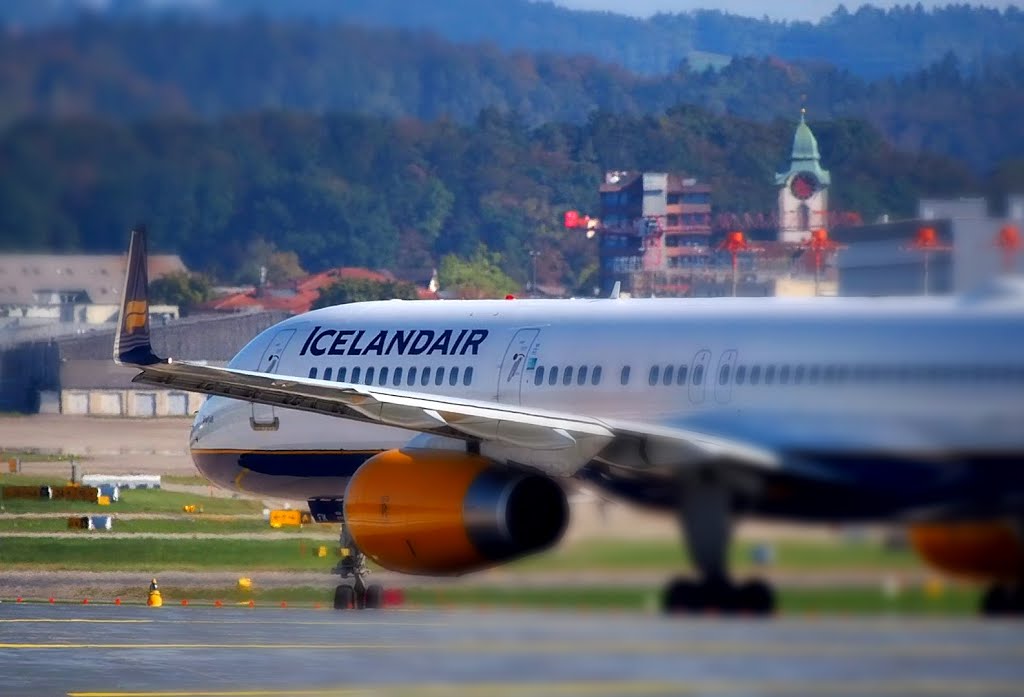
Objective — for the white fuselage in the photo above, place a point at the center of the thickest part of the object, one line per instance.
(922, 377)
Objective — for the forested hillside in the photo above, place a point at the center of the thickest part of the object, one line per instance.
(867, 41)
(132, 69)
(350, 190)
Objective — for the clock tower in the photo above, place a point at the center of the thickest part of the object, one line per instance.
(803, 188)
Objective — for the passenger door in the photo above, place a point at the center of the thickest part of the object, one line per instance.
(513, 366)
(263, 416)
(699, 376)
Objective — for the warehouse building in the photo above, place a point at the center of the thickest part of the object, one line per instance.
(75, 373)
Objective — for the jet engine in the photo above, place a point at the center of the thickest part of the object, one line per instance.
(990, 550)
(448, 513)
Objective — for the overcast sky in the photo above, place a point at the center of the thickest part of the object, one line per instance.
(786, 9)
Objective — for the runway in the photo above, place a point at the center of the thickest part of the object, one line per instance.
(105, 651)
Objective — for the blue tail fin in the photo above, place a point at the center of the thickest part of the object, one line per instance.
(131, 342)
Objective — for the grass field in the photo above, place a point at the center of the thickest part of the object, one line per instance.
(132, 501)
(180, 526)
(38, 456)
(951, 601)
(669, 555)
(93, 552)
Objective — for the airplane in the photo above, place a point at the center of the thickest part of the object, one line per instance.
(444, 435)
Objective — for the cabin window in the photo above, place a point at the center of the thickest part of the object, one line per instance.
(438, 376)
(355, 374)
(410, 379)
(312, 373)
(798, 374)
(538, 376)
(467, 376)
(784, 375)
(369, 375)
(624, 376)
(342, 373)
(567, 375)
(453, 377)
(755, 374)
(581, 375)
(397, 379)
(741, 374)
(552, 375)
(666, 379)
(383, 376)
(425, 377)
(723, 374)
(595, 376)
(652, 377)
(769, 374)
(698, 375)
(681, 375)
(327, 373)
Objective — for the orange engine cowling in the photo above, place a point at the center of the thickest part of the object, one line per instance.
(445, 513)
(990, 550)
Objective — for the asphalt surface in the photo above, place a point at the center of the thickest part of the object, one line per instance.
(240, 652)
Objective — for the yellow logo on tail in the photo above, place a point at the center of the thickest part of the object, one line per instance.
(135, 313)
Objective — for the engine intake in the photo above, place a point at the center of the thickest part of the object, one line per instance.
(448, 513)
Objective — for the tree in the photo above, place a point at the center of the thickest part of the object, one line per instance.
(478, 277)
(186, 290)
(281, 267)
(356, 290)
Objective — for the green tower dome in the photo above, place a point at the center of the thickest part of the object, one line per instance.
(805, 145)
(805, 157)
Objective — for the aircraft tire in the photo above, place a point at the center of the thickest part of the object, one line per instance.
(683, 596)
(374, 597)
(756, 597)
(344, 598)
(1002, 601)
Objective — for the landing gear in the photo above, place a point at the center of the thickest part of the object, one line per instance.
(706, 517)
(1003, 600)
(354, 594)
(684, 596)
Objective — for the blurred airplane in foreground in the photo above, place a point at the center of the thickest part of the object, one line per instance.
(443, 433)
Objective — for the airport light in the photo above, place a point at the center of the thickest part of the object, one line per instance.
(927, 242)
(1008, 240)
(734, 243)
(819, 244)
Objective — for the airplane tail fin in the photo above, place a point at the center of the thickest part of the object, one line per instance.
(131, 342)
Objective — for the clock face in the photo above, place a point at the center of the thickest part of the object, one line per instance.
(803, 185)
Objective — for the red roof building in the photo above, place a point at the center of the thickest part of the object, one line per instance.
(299, 296)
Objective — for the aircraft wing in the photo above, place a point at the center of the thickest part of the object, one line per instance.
(511, 425)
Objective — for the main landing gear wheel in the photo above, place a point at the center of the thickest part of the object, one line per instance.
(354, 594)
(344, 598)
(1003, 601)
(355, 597)
(373, 598)
(718, 597)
